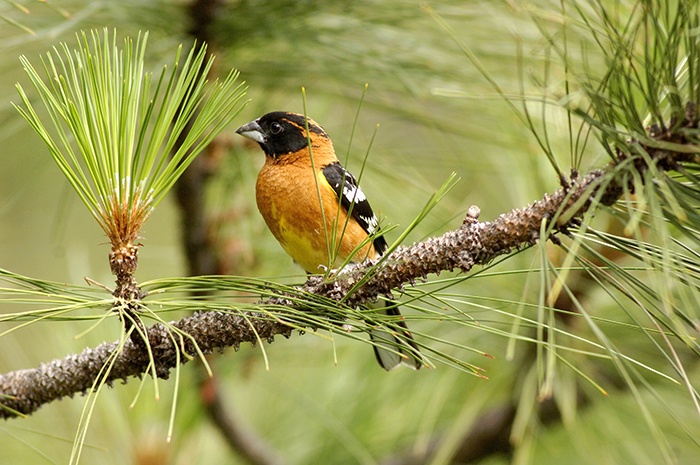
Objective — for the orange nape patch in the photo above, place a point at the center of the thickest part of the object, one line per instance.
(314, 127)
(289, 202)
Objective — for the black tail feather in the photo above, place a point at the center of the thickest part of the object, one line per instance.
(393, 349)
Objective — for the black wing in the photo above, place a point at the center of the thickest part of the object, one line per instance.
(353, 199)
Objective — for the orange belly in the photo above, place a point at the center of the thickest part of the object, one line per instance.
(289, 202)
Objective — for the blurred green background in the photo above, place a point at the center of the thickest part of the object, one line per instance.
(437, 115)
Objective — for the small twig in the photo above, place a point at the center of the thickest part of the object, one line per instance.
(92, 282)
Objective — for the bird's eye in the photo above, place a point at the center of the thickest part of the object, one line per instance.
(275, 128)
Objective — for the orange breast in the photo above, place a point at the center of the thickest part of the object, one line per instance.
(289, 202)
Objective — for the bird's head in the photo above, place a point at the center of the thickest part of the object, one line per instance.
(280, 133)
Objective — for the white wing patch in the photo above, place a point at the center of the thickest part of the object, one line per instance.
(353, 193)
(355, 196)
(353, 200)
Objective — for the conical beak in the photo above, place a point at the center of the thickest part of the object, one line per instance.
(252, 131)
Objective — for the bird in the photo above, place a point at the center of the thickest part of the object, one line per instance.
(315, 209)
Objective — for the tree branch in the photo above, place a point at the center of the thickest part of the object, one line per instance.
(203, 257)
(472, 244)
(240, 437)
(24, 391)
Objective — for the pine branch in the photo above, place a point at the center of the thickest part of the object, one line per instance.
(475, 243)
(27, 390)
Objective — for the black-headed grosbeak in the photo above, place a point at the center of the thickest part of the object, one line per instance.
(316, 210)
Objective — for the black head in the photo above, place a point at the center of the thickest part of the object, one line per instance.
(279, 132)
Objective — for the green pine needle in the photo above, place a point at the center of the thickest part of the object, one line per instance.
(114, 132)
